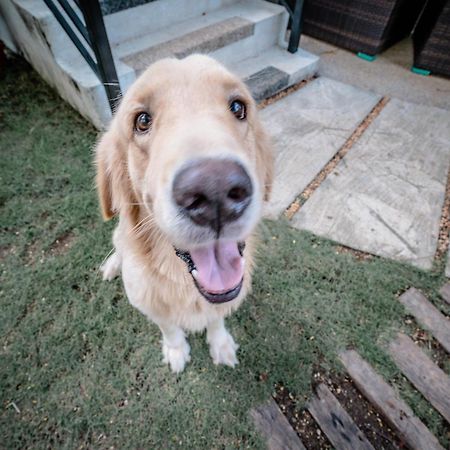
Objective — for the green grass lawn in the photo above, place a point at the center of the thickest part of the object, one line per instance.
(84, 368)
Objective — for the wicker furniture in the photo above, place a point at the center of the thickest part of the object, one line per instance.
(432, 38)
(366, 26)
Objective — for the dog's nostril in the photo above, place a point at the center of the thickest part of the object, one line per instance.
(196, 201)
(238, 193)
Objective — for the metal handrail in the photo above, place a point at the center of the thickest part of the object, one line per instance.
(295, 18)
(75, 19)
(94, 35)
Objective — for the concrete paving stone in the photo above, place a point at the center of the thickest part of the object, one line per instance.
(385, 197)
(308, 127)
(390, 74)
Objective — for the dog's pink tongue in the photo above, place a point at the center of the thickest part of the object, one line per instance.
(219, 266)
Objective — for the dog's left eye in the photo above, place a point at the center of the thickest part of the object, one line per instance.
(143, 122)
(238, 109)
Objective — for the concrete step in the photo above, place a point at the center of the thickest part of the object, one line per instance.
(203, 40)
(230, 34)
(247, 36)
(275, 70)
(157, 15)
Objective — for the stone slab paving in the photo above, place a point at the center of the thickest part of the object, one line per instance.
(386, 196)
(308, 127)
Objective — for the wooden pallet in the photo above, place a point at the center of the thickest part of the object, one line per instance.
(385, 399)
(335, 421)
(427, 315)
(274, 426)
(445, 292)
(428, 378)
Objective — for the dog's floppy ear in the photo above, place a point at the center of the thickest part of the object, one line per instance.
(110, 177)
(266, 151)
(264, 156)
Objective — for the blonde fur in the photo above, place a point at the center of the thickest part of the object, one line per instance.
(188, 100)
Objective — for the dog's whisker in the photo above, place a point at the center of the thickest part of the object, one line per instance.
(147, 232)
(140, 223)
(145, 225)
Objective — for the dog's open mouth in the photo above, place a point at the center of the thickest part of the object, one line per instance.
(217, 269)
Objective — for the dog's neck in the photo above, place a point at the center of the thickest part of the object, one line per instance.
(150, 244)
(156, 252)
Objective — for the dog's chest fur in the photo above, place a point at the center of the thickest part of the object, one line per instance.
(159, 285)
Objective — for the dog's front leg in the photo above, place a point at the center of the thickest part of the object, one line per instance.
(222, 347)
(175, 347)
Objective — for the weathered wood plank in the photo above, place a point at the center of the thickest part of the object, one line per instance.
(384, 398)
(339, 427)
(445, 292)
(427, 315)
(428, 378)
(274, 426)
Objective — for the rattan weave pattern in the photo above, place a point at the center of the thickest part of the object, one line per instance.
(368, 26)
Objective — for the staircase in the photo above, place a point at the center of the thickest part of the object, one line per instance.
(247, 36)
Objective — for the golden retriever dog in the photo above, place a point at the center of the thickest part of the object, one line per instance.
(186, 166)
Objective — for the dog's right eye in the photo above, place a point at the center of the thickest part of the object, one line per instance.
(238, 109)
(143, 122)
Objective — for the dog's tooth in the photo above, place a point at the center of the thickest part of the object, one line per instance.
(242, 262)
(194, 273)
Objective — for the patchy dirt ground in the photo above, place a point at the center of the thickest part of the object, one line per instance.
(62, 244)
(6, 250)
(300, 419)
(357, 254)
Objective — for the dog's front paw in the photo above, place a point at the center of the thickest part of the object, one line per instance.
(176, 357)
(111, 267)
(222, 349)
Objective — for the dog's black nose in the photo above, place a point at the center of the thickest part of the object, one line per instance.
(213, 192)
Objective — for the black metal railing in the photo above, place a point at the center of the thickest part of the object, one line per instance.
(95, 49)
(294, 8)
